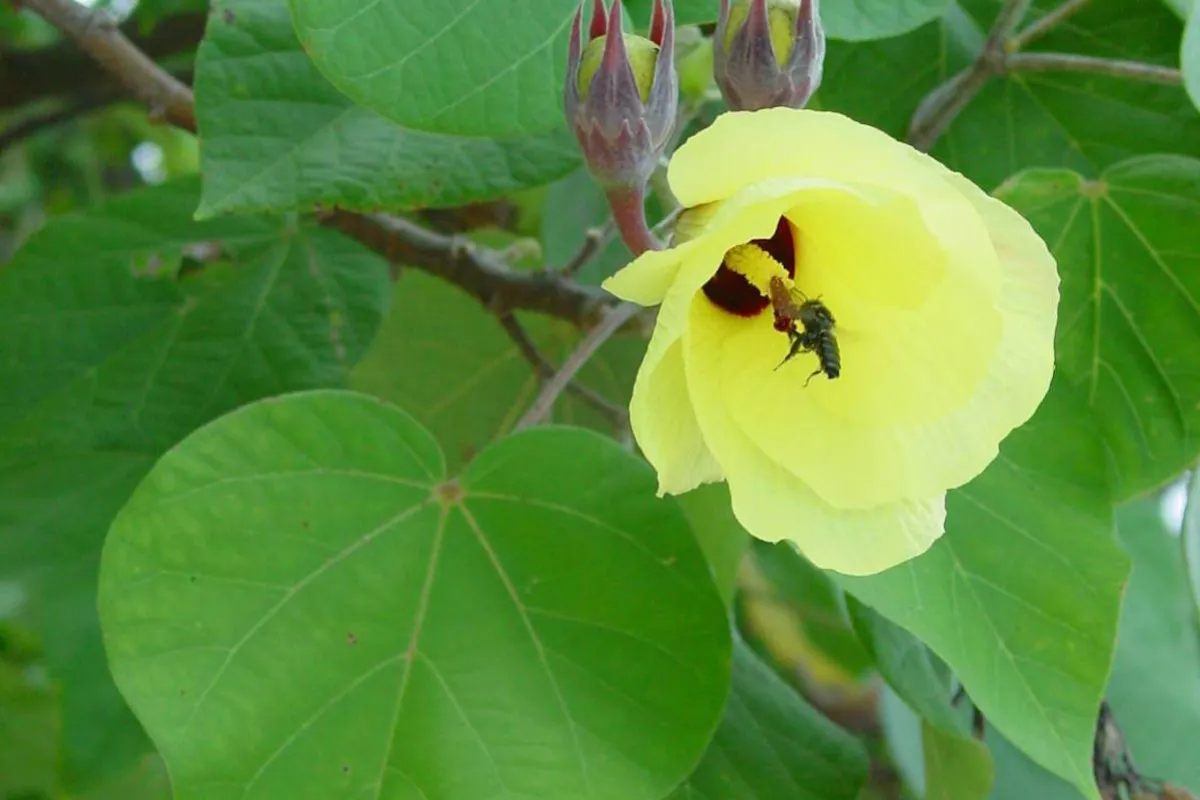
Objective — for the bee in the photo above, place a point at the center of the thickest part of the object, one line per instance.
(815, 333)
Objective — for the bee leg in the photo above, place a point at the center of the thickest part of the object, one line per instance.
(814, 374)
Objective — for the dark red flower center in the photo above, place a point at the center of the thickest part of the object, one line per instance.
(731, 291)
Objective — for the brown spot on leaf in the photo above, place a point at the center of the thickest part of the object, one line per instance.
(448, 493)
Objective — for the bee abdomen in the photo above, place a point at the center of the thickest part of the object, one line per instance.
(829, 356)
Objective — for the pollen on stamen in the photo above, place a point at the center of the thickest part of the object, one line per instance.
(730, 290)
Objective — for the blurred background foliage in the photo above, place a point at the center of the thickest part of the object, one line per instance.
(69, 139)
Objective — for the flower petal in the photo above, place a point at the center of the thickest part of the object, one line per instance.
(851, 462)
(902, 369)
(751, 214)
(646, 279)
(773, 504)
(665, 425)
(743, 148)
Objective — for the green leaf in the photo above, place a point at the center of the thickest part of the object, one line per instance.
(1190, 535)
(130, 359)
(852, 20)
(1129, 318)
(275, 135)
(1189, 57)
(1021, 595)
(772, 744)
(720, 535)
(1181, 7)
(861, 20)
(1078, 121)
(687, 12)
(147, 780)
(450, 364)
(28, 736)
(956, 766)
(916, 675)
(1155, 688)
(573, 205)
(54, 511)
(298, 602)
(449, 361)
(458, 66)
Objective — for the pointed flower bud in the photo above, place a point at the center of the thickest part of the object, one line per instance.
(621, 94)
(768, 53)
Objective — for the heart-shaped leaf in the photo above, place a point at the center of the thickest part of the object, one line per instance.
(1032, 644)
(1129, 319)
(298, 601)
(1083, 122)
(1154, 693)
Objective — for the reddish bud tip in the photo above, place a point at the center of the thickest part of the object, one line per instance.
(768, 53)
(658, 23)
(622, 96)
(599, 24)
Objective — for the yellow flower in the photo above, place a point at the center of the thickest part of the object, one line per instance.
(945, 303)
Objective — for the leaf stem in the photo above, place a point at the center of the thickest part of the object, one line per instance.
(1045, 24)
(1069, 62)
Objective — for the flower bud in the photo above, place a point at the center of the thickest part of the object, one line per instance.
(768, 53)
(621, 94)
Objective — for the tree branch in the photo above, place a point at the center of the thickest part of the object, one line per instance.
(96, 33)
(596, 337)
(64, 71)
(940, 107)
(616, 414)
(594, 240)
(1069, 62)
(1045, 24)
(478, 271)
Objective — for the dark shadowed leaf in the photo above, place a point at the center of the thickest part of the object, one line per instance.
(772, 744)
(107, 359)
